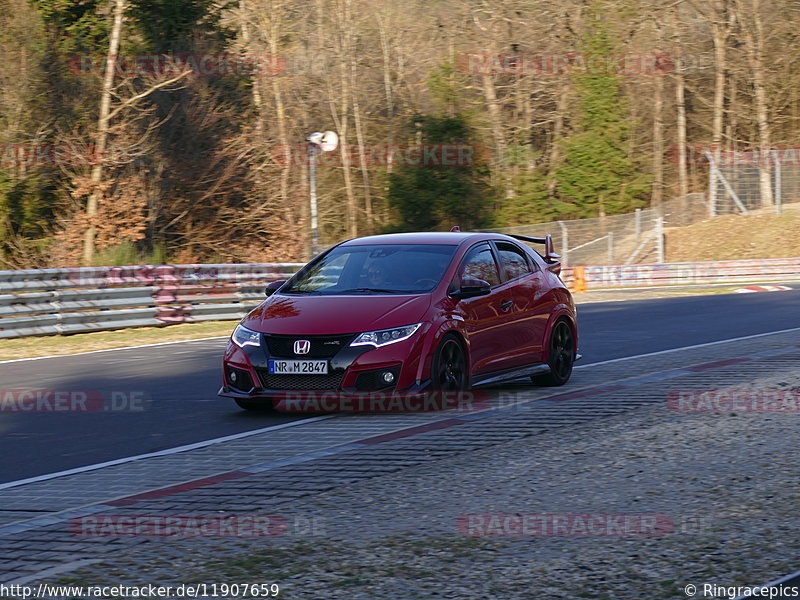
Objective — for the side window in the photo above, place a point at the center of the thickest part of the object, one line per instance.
(480, 264)
(513, 262)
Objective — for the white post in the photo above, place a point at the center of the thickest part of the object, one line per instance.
(712, 186)
(638, 221)
(610, 247)
(660, 239)
(778, 183)
(564, 243)
(313, 150)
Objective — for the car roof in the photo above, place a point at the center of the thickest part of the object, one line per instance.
(450, 238)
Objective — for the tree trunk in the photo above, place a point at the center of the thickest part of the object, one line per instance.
(680, 105)
(754, 39)
(102, 132)
(657, 195)
(496, 119)
(720, 31)
(283, 137)
(345, 22)
(558, 132)
(244, 27)
(362, 145)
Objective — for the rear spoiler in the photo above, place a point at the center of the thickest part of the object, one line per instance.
(547, 240)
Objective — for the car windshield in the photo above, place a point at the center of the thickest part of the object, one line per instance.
(374, 269)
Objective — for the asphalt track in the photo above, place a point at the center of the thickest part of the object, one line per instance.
(180, 380)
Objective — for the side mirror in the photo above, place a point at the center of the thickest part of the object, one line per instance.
(273, 287)
(471, 288)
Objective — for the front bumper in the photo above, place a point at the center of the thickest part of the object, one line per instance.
(352, 371)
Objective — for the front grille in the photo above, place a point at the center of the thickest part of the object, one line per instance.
(331, 381)
(322, 346)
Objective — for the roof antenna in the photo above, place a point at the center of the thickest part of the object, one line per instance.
(456, 229)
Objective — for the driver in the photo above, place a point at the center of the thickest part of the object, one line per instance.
(376, 276)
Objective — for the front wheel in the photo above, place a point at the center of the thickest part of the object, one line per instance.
(560, 356)
(449, 370)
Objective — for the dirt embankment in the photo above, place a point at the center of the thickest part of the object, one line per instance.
(735, 237)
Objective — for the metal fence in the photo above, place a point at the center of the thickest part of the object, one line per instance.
(54, 301)
(619, 239)
(736, 184)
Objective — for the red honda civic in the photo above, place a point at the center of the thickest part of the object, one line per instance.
(407, 313)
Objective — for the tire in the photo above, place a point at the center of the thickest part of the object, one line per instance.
(560, 356)
(449, 368)
(261, 405)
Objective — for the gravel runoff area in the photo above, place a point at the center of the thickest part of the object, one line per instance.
(725, 486)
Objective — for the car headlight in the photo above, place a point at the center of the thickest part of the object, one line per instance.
(384, 337)
(242, 336)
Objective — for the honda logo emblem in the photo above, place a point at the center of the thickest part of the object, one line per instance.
(302, 347)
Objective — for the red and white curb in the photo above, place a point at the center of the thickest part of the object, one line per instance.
(761, 288)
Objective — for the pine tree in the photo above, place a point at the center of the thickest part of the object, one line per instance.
(598, 175)
(427, 196)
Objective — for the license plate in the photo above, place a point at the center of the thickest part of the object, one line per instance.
(298, 367)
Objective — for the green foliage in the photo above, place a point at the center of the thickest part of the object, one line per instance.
(429, 197)
(446, 86)
(76, 25)
(28, 203)
(174, 25)
(598, 172)
(129, 253)
(532, 203)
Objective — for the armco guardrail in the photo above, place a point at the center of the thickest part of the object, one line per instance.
(54, 301)
(689, 273)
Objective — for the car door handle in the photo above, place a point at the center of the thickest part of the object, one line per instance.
(505, 305)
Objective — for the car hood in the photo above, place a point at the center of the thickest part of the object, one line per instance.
(334, 315)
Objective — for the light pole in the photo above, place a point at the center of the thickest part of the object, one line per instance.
(317, 142)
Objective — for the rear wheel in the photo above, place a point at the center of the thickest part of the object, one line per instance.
(449, 371)
(260, 405)
(560, 356)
